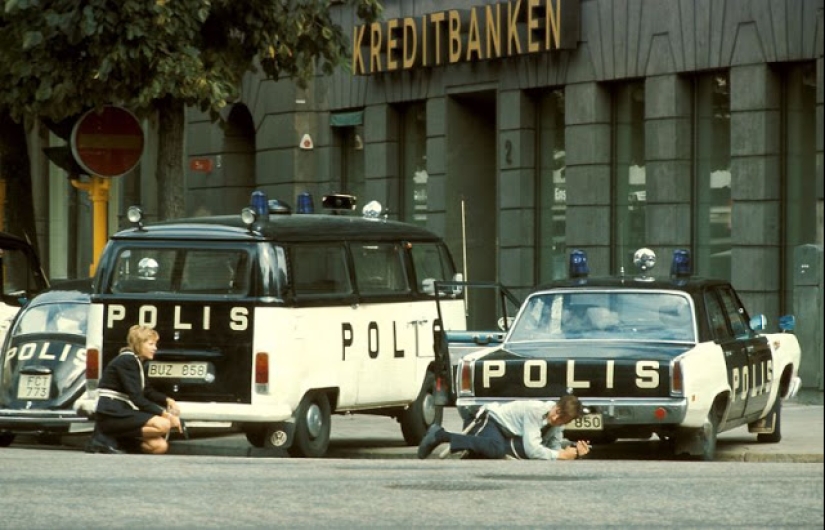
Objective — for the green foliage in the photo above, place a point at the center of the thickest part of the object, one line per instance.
(62, 56)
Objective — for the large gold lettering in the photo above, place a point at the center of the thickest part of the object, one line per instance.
(455, 37)
(392, 44)
(410, 43)
(375, 47)
(512, 28)
(473, 38)
(532, 24)
(357, 58)
(552, 24)
(437, 19)
(493, 30)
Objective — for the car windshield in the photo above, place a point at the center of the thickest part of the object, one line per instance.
(611, 315)
(64, 317)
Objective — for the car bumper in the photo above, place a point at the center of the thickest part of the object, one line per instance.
(615, 412)
(43, 420)
(268, 411)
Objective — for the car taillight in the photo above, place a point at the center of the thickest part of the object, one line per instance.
(261, 372)
(676, 383)
(92, 368)
(466, 379)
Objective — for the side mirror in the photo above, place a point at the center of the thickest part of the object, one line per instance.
(759, 323)
(428, 286)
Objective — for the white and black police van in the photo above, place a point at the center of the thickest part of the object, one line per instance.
(273, 321)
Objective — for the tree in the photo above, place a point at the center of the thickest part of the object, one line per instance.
(157, 57)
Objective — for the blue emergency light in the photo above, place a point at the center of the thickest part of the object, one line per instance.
(578, 264)
(259, 204)
(681, 266)
(305, 203)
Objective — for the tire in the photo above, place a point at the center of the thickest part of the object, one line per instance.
(708, 434)
(256, 436)
(312, 427)
(776, 435)
(6, 438)
(421, 413)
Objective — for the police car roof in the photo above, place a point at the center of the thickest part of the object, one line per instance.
(65, 291)
(281, 227)
(693, 284)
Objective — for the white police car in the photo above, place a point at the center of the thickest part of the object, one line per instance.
(677, 356)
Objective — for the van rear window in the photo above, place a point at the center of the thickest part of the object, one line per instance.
(184, 271)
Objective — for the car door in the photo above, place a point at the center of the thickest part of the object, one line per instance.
(733, 350)
(755, 375)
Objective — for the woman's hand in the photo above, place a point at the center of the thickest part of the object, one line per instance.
(172, 406)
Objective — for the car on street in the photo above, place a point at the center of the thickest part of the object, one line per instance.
(676, 356)
(43, 365)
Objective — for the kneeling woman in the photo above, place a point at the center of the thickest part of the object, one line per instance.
(130, 413)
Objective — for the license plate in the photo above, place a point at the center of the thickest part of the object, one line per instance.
(179, 370)
(31, 387)
(588, 422)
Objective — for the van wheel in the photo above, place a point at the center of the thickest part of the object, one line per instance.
(312, 426)
(256, 436)
(6, 438)
(421, 413)
(776, 435)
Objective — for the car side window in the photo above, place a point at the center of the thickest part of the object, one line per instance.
(716, 316)
(735, 313)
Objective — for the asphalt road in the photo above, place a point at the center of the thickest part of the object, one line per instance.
(360, 436)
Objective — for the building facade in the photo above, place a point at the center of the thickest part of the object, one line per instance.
(521, 129)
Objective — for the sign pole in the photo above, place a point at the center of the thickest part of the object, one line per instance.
(98, 190)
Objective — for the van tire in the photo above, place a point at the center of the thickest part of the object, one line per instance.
(312, 426)
(421, 413)
(6, 438)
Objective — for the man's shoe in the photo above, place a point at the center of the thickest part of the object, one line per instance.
(436, 435)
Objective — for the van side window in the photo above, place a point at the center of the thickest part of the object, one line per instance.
(431, 263)
(214, 272)
(379, 268)
(320, 270)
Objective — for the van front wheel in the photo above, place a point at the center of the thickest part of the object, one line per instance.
(421, 413)
(312, 426)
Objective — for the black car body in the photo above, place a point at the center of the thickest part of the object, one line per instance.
(43, 363)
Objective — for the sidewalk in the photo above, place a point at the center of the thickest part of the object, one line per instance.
(361, 436)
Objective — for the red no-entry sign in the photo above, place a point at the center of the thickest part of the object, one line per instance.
(107, 143)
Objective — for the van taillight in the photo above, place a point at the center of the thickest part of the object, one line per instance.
(261, 371)
(92, 368)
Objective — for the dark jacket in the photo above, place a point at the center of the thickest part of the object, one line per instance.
(124, 375)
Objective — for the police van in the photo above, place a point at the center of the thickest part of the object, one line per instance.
(274, 320)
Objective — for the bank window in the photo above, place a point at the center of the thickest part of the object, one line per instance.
(712, 216)
(348, 134)
(801, 213)
(379, 268)
(551, 188)
(628, 171)
(413, 160)
(320, 270)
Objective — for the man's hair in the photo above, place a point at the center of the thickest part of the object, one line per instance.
(570, 407)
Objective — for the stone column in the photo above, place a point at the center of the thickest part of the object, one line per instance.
(587, 156)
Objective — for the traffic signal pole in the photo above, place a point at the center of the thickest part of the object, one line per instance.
(98, 190)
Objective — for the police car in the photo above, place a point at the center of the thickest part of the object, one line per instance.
(677, 356)
(21, 277)
(43, 365)
(271, 321)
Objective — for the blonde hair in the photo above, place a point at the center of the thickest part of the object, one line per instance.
(137, 336)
